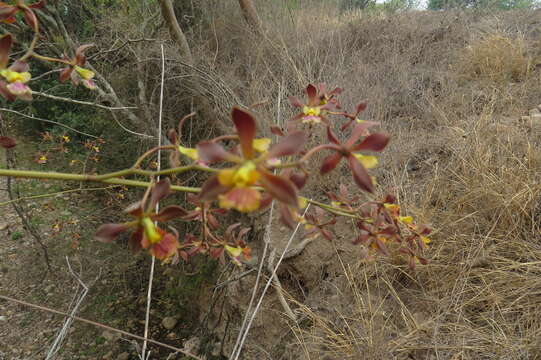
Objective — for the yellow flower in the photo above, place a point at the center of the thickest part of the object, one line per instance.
(189, 152)
(311, 111)
(261, 145)
(425, 240)
(336, 203)
(13, 76)
(368, 161)
(234, 251)
(391, 207)
(66, 139)
(360, 121)
(405, 219)
(242, 176)
(84, 73)
(303, 203)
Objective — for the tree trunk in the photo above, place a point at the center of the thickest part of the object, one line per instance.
(175, 31)
(250, 14)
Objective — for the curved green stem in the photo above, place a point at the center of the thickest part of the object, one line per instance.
(91, 178)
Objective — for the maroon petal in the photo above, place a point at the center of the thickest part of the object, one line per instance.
(6, 42)
(135, 240)
(109, 232)
(160, 190)
(38, 5)
(80, 58)
(286, 216)
(7, 12)
(279, 188)
(290, 145)
(358, 131)
(211, 189)
(169, 213)
(311, 91)
(7, 143)
(374, 142)
(295, 102)
(360, 175)
(245, 125)
(276, 130)
(19, 66)
(211, 152)
(135, 209)
(327, 234)
(360, 108)
(330, 162)
(332, 136)
(30, 18)
(299, 179)
(65, 74)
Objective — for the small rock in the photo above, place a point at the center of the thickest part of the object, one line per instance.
(534, 112)
(4, 226)
(169, 322)
(123, 356)
(535, 117)
(3, 318)
(192, 345)
(109, 336)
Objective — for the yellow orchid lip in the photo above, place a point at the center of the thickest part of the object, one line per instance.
(14, 76)
(189, 152)
(243, 176)
(151, 232)
(368, 161)
(311, 111)
(261, 145)
(84, 73)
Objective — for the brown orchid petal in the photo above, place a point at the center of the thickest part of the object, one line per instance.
(290, 145)
(332, 136)
(75, 78)
(299, 179)
(160, 190)
(7, 143)
(211, 152)
(30, 18)
(109, 232)
(38, 5)
(246, 128)
(294, 101)
(336, 91)
(135, 209)
(169, 213)
(279, 188)
(327, 234)
(346, 125)
(65, 74)
(211, 189)
(381, 247)
(360, 175)
(361, 107)
(374, 142)
(6, 42)
(135, 240)
(19, 66)
(276, 130)
(212, 222)
(358, 131)
(330, 162)
(7, 11)
(311, 92)
(265, 202)
(286, 215)
(80, 58)
(172, 136)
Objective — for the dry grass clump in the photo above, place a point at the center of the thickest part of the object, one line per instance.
(458, 159)
(497, 58)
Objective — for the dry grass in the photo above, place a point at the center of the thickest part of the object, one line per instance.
(449, 87)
